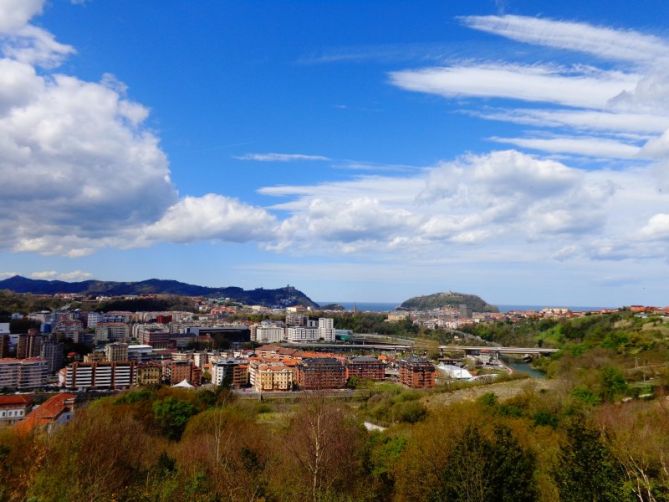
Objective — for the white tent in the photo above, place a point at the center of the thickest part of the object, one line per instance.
(183, 384)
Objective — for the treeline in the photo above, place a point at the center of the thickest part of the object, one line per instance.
(171, 444)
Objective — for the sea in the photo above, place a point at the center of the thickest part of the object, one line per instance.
(387, 307)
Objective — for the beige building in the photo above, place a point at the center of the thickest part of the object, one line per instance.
(149, 374)
(115, 352)
(271, 376)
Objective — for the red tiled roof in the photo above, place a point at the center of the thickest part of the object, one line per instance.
(15, 400)
(46, 413)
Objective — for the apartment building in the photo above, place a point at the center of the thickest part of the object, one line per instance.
(321, 373)
(22, 374)
(155, 335)
(230, 372)
(269, 333)
(178, 371)
(70, 329)
(149, 374)
(314, 330)
(29, 345)
(112, 332)
(53, 352)
(99, 375)
(366, 367)
(269, 376)
(417, 373)
(116, 352)
(140, 353)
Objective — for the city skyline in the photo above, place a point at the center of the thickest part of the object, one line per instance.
(515, 150)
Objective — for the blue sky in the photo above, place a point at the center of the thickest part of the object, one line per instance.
(362, 151)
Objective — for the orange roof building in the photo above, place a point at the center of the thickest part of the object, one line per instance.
(56, 410)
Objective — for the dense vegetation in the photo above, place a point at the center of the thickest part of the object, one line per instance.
(174, 444)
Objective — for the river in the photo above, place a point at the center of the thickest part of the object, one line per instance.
(526, 368)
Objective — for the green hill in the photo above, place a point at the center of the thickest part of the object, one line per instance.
(449, 299)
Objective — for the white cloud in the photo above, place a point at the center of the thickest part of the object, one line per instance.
(80, 169)
(506, 202)
(15, 14)
(280, 157)
(50, 275)
(584, 145)
(579, 87)
(211, 216)
(582, 120)
(34, 45)
(5, 275)
(657, 226)
(606, 43)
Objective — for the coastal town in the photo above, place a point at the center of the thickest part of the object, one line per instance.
(255, 350)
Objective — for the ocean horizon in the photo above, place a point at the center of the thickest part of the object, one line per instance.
(390, 306)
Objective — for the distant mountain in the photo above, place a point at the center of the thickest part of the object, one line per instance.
(281, 297)
(451, 299)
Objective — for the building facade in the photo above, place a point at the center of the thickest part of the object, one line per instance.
(93, 376)
(22, 374)
(417, 373)
(232, 372)
(321, 373)
(265, 377)
(178, 371)
(365, 367)
(14, 408)
(116, 352)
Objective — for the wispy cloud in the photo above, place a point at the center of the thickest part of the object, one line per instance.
(603, 42)
(575, 87)
(581, 145)
(281, 157)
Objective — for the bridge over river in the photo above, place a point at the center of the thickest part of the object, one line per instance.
(476, 350)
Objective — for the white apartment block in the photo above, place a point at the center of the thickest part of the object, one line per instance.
(296, 334)
(326, 329)
(83, 376)
(23, 374)
(268, 333)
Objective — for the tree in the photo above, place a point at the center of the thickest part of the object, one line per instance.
(586, 469)
(481, 469)
(321, 450)
(172, 414)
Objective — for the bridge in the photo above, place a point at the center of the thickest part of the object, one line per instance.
(474, 350)
(347, 346)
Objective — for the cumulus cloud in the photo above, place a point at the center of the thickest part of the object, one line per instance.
(15, 14)
(80, 169)
(657, 226)
(211, 216)
(498, 201)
